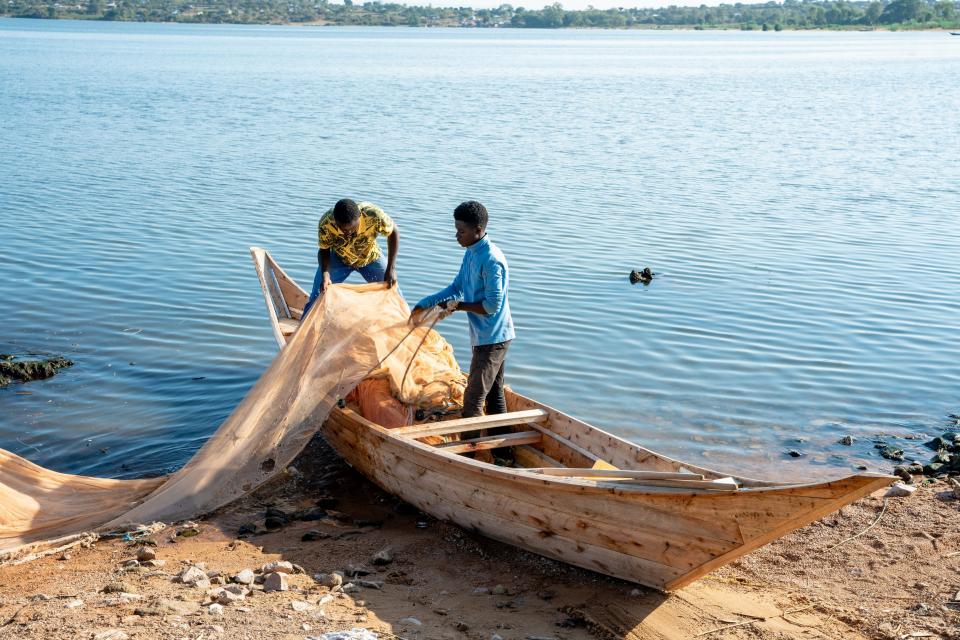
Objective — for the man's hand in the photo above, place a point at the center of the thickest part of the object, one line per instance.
(416, 316)
(390, 277)
(326, 280)
(451, 305)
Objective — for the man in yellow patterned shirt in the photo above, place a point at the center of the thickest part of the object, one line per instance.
(347, 237)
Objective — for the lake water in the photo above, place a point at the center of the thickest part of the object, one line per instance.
(797, 194)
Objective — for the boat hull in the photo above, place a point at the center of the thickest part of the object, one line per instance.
(661, 538)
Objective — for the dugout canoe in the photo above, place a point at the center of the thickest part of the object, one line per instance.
(578, 494)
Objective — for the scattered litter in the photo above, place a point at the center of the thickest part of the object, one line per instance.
(354, 634)
(900, 490)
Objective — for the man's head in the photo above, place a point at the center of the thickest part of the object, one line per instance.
(346, 213)
(470, 219)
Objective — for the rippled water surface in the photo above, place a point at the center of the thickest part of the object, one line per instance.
(798, 195)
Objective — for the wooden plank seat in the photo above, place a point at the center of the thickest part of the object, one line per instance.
(450, 427)
(491, 442)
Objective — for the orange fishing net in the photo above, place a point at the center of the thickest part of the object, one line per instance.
(353, 331)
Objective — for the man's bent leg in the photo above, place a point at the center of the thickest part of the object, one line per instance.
(338, 273)
(375, 271)
(485, 365)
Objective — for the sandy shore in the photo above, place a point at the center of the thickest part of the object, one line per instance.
(898, 580)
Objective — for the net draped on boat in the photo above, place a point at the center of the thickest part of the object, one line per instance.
(352, 331)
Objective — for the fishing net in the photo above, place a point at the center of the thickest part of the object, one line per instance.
(352, 333)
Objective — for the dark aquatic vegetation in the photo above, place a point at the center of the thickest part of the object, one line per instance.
(13, 368)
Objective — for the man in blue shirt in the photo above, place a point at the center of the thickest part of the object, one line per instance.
(480, 289)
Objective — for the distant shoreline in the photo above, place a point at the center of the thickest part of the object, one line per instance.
(791, 15)
(639, 27)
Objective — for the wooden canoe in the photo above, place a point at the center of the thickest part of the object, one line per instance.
(577, 493)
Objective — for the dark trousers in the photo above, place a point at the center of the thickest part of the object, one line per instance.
(485, 384)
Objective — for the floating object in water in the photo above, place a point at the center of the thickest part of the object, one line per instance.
(577, 494)
(644, 276)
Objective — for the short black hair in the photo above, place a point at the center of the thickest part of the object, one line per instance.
(471, 212)
(346, 211)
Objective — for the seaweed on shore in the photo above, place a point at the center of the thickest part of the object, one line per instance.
(12, 368)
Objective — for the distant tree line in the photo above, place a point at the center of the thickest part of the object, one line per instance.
(791, 14)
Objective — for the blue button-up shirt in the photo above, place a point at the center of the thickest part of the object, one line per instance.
(484, 278)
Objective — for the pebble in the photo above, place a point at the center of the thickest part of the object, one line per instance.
(146, 553)
(127, 598)
(275, 582)
(193, 576)
(901, 472)
(352, 571)
(635, 592)
(154, 564)
(955, 486)
(118, 587)
(65, 556)
(481, 591)
(325, 599)
(847, 440)
(461, 626)
(350, 588)
(216, 609)
(111, 634)
(330, 580)
(382, 557)
(244, 577)
(411, 620)
(300, 605)
(73, 604)
(793, 453)
(313, 535)
(496, 636)
(370, 584)
(499, 590)
(900, 490)
(277, 566)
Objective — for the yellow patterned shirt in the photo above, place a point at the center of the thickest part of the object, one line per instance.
(359, 249)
